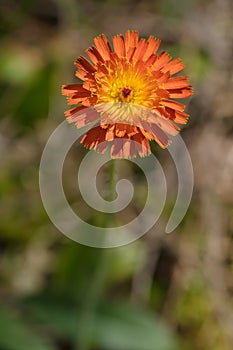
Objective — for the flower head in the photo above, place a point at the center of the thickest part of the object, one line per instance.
(128, 91)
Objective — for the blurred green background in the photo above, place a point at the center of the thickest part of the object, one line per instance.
(163, 292)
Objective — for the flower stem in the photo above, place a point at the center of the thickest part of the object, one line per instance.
(112, 180)
(95, 290)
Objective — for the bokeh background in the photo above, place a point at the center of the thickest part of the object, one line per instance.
(163, 292)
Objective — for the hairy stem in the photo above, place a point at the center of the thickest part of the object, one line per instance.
(95, 290)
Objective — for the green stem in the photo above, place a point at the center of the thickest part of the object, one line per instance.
(96, 287)
(112, 180)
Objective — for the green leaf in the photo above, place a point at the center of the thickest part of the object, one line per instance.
(16, 335)
(123, 326)
(116, 326)
(34, 100)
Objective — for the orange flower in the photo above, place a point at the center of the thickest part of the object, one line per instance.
(128, 91)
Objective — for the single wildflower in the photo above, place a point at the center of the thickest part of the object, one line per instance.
(129, 92)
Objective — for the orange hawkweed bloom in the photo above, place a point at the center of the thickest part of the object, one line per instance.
(128, 90)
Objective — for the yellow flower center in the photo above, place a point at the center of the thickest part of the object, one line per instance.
(124, 84)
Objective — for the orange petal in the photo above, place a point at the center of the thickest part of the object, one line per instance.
(72, 111)
(164, 78)
(159, 136)
(142, 145)
(161, 93)
(130, 130)
(161, 60)
(161, 119)
(181, 93)
(173, 66)
(101, 147)
(103, 46)
(76, 93)
(70, 89)
(157, 75)
(82, 117)
(153, 45)
(129, 150)
(109, 136)
(93, 137)
(87, 101)
(126, 148)
(131, 39)
(94, 55)
(177, 116)
(90, 84)
(147, 134)
(173, 104)
(130, 53)
(84, 64)
(140, 50)
(117, 148)
(176, 83)
(139, 68)
(120, 130)
(151, 60)
(119, 45)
